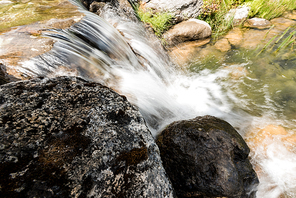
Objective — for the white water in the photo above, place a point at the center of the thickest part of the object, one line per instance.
(162, 92)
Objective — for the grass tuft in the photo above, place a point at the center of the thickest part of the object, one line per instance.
(269, 9)
(160, 22)
(214, 12)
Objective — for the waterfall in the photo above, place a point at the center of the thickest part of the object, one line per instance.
(122, 55)
(132, 63)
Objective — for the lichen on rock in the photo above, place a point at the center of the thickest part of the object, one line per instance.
(68, 137)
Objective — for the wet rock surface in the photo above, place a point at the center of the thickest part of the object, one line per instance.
(4, 77)
(68, 137)
(22, 43)
(205, 156)
(121, 8)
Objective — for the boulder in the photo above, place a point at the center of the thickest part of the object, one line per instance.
(181, 10)
(190, 30)
(207, 156)
(68, 137)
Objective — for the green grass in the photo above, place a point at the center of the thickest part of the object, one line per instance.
(270, 9)
(214, 11)
(160, 22)
(280, 42)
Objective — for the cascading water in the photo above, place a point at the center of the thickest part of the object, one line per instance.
(126, 60)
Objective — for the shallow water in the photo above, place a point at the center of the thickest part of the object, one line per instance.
(250, 92)
(264, 86)
(22, 12)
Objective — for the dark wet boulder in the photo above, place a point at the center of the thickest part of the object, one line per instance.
(206, 156)
(3, 74)
(68, 137)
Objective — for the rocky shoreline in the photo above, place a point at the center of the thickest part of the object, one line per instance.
(68, 137)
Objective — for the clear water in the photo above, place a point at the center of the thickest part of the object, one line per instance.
(22, 12)
(247, 91)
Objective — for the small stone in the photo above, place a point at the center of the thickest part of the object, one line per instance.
(258, 23)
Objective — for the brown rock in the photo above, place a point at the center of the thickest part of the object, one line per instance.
(223, 45)
(13, 50)
(185, 52)
(235, 36)
(259, 137)
(282, 23)
(252, 38)
(290, 15)
(190, 30)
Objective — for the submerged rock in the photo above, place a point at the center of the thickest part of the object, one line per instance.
(68, 137)
(184, 53)
(235, 36)
(206, 156)
(223, 45)
(190, 30)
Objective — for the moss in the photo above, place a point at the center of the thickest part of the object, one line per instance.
(160, 22)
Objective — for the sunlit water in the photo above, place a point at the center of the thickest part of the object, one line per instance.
(22, 12)
(247, 91)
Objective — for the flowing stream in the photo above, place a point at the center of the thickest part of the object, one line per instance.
(253, 94)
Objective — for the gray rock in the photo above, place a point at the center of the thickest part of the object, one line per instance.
(206, 156)
(121, 8)
(190, 30)
(238, 15)
(180, 9)
(68, 137)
